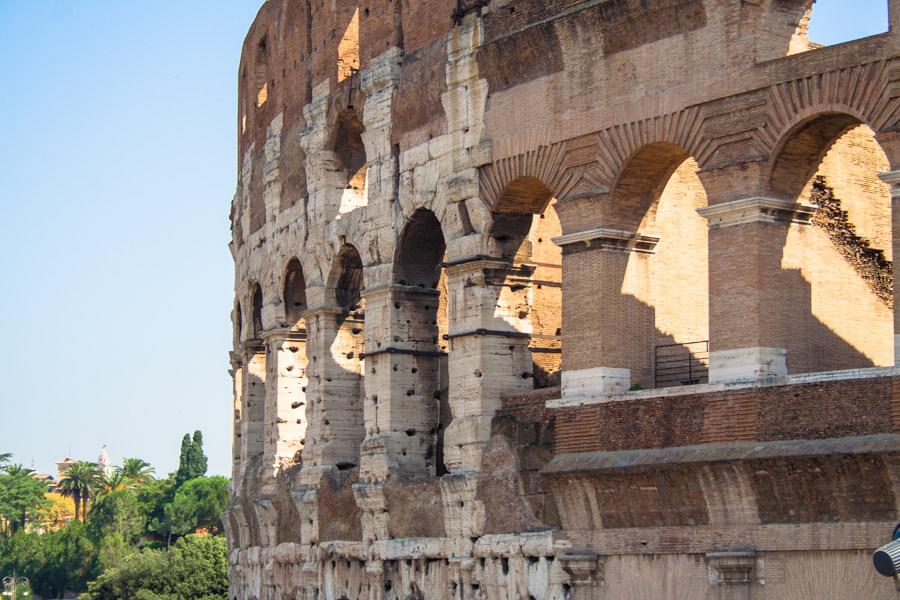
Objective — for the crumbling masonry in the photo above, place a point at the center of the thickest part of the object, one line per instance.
(551, 299)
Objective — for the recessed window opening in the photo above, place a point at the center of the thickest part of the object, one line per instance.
(262, 71)
(831, 22)
(348, 49)
(257, 311)
(294, 295)
(525, 224)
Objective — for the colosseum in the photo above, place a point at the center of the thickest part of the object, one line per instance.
(563, 299)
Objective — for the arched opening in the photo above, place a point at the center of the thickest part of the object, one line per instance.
(654, 319)
(421, 305)
(351, 152)
(342, 380)
(261, 71)
(838, 271)
(525, 223)
(348, 49)
(257, 302)
(253, 380)
(294, 295)
(238, 324)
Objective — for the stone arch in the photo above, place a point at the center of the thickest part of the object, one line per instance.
(294, 294)
(338, 390)
(522, 231)
(838, 269)
(345, 280)
(421, 293)
(238, 323)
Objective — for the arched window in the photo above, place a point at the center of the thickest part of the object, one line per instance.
(421, 296)
(294, 293)
(257, 323)
(525, 223)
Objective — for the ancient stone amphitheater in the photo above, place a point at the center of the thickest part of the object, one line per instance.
(550, 299)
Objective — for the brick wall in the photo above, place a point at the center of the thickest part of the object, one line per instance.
(808, 411)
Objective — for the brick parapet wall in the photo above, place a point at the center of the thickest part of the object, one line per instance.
(819, 410)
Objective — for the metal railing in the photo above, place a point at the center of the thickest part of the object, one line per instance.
(682, 364)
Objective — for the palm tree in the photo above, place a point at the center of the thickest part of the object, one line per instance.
(79, 482)
(16, 470)
(136, 469)
(5, 457)
(116, 482)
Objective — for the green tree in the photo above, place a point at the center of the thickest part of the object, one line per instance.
(137, 470)
(79, 482)
(117, 513)
(17, 470)
(199, 460)
(5, 457)
(116, 482)
(195, 568)
(192, 462)
(185, 468)
(54, 562)
(21, 498)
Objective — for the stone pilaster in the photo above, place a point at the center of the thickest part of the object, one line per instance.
(334, 391)
(285, 399)
(403, 383)
(751, 298)
(253, 400)
(584, 575)
(607, 328)
(488, 354)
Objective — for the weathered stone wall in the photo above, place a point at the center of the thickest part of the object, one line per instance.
(462, 231)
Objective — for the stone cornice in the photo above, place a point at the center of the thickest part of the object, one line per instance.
(757, 209)
(604, 238)
(892, 178)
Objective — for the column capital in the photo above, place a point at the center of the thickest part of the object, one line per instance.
(283, 334)
(581, 568)
(605, 238)
(892, 178)
(757, 209)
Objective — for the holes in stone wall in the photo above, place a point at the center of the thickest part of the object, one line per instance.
(422, 300)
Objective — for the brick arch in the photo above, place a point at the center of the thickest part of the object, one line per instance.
(542, 168)
(641, 181)
(861, 91)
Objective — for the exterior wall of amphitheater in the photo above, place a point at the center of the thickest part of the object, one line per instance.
(552, 299)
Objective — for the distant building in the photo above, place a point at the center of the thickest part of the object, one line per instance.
(46, 479)
(104, 464)
(62, 466)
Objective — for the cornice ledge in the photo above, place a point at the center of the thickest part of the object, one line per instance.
(610, 239)
(757, 209)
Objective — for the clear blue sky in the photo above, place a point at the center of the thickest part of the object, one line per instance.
(117, 165)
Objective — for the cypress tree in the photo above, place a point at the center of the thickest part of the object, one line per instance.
(199, 461)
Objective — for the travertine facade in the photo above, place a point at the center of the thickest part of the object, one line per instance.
(553, 299)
